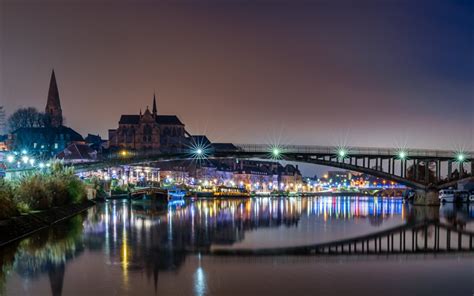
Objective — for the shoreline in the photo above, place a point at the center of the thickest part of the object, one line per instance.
(19, 227)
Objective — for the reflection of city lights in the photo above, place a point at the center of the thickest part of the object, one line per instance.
(200, 282)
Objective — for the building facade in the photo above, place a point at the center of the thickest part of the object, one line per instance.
(148, 131)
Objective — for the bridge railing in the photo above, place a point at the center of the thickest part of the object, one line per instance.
(328, 150)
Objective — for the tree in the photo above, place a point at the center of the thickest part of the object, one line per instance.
(2, 119)
(26, 117)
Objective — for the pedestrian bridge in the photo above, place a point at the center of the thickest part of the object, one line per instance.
(404, 166)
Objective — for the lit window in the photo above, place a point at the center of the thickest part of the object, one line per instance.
(55, 145)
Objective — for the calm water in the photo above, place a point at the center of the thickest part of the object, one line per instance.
(118, 248)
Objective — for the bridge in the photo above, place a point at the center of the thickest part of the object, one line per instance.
(424, 237)
(404, 166)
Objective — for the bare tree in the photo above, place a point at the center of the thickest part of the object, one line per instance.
(2, 119)
(26, 117)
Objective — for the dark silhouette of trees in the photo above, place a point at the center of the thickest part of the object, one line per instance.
(27, 117)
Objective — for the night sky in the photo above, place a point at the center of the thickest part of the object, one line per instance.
(375, 73)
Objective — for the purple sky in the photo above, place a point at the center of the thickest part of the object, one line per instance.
(379, 73)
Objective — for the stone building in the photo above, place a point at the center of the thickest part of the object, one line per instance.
(148, 131)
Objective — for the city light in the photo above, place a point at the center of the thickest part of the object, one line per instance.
(10, 158)
(402, 154)
(25, 159)
(461, 157)
(342, 153)
(276, 152)
(199, 151)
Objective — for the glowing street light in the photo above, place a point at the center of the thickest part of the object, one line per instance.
(10, 158)
(342, 153)
(461, 157)
(276, 152)
(199, 151)
(25, 159)
(402, 154)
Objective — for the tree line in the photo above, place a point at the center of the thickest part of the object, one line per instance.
(27, 117)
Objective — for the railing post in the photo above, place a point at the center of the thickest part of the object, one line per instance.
(450, 169)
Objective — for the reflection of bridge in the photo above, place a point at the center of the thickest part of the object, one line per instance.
(430, 237)
(402, 166)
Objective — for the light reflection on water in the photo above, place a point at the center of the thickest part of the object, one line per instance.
(148, 239)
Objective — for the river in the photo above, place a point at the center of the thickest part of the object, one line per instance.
(119, 247)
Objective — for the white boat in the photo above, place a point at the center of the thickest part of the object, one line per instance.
(447, 195)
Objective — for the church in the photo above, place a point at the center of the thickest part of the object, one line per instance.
(149, 131)
(53, 137)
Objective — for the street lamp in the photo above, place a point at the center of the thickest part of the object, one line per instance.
(461, 157)
(10, 158)
(402, 154)
(342, 153)
(276, 152)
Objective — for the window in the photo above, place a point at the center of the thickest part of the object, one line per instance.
(56, 145)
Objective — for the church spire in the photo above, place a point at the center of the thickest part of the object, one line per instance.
(53, 105)
(155, 111)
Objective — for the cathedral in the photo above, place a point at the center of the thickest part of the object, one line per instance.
(149, 131)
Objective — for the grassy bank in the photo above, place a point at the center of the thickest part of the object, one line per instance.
(37, 191)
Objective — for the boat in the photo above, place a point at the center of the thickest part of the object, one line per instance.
(224, 192)
(446, 195)
(151, 193)
(176, 196)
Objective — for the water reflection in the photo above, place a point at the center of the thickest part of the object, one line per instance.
(149, 239)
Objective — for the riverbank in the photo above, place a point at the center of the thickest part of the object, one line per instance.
(18, 227)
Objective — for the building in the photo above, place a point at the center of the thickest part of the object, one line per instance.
(53, 137)
(148, 131)
(53, 109)
(77, 153)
